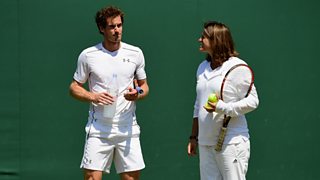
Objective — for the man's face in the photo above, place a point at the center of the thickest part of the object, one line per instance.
(113, 30)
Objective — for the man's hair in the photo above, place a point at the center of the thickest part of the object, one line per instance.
(107, 12)
(222, 45)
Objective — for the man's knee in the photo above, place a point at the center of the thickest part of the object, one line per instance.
(92, 174)
(133, 175)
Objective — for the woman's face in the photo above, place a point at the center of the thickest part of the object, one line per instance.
(205, 42)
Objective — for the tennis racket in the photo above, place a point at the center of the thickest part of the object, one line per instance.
(235, 86)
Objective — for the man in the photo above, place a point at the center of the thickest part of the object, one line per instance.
(113, 139)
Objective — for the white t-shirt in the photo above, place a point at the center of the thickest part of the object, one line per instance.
(96, 65)
(209, 81)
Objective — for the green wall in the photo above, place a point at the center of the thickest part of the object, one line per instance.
(42, 127)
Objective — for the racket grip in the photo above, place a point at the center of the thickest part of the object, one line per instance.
(222, 135)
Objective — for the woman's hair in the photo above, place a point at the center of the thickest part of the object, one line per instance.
(107, 12)
(222, 46)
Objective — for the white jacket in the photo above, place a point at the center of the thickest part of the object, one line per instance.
(209, 81)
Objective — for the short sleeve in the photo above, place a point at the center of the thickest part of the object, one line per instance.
(82, 72)
(140, 71)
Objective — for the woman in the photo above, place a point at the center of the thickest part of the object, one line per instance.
(231, 163)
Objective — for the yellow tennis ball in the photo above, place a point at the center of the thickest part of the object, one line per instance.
(213, 98)
(207, 105)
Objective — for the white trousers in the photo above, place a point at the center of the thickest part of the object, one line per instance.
(231, 163)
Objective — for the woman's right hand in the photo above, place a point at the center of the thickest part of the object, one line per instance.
(211, 107)
(192, 147)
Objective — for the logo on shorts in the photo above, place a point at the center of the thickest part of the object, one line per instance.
(86, 161)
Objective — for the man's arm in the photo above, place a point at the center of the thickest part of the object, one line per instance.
(79, 92)
(144, 86)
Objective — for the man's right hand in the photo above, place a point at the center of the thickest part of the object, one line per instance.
(102, 98)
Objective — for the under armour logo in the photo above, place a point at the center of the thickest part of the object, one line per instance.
(87, 161)
(125, 60)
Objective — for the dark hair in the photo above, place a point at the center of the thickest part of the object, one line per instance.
(107, 12)
(222, 45)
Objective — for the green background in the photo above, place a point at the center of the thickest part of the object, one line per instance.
(42, 127)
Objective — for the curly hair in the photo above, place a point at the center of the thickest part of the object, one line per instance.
(107, 12)
(222, 45)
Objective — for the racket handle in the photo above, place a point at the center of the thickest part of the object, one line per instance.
(222, 135)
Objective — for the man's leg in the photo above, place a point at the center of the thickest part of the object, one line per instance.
(133, 175)
(92, 174)
(128, 159)
(97, 158)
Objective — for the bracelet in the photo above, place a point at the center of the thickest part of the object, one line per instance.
(193, 137)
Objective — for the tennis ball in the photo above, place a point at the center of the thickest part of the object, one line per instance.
(207, 105)
(213, 98)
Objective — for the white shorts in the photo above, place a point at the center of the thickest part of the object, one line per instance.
(125, 152)
(229, 164)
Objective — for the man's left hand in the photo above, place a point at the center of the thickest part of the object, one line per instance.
(131, 95)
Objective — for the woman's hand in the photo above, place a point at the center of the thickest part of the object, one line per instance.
(192, 147)
(210, 107)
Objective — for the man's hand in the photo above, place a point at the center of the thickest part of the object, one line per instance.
(103, 98)
(131, 95)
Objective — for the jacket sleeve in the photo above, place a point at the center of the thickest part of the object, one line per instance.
(196, 108)
(240, 107)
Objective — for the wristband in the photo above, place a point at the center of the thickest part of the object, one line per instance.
(139, 89)
(193, 137)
